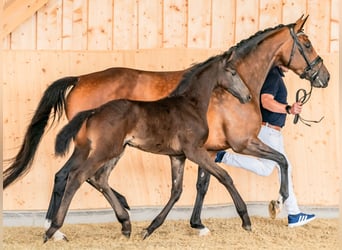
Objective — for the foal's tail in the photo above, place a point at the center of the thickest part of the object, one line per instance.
(69, 131)
(53, 99)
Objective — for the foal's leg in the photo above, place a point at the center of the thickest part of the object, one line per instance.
(78, 175)
(202, 158)
(202, 184)
(100, 182)
(177, 168)
(254, 147)
(58, 191)
(59, 187)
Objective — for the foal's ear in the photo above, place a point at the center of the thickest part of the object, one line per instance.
(300, 23)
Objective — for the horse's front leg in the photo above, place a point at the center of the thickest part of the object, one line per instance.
(264, 153)
(203, 180)
(177, 168)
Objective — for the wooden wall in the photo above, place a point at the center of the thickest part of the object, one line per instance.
(56, 38)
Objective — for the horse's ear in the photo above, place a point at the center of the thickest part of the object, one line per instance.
(300, 23)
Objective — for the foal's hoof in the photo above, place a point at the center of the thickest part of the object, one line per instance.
(247, 228)
(274, 208)
(203, 231)
(127, 234)
(58, 236)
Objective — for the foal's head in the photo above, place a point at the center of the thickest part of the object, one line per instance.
(230, 80)
(217, 71)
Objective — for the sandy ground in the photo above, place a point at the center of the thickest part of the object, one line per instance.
(177, 234)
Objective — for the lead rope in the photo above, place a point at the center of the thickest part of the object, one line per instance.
(303, 99)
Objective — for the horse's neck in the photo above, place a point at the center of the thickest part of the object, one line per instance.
(256, 65)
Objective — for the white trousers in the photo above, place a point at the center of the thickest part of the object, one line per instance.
(264, 167)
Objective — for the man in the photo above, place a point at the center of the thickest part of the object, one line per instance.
(274, 108)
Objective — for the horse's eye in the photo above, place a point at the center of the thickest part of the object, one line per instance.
(307, 45)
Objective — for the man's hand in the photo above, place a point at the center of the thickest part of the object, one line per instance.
(296, 108)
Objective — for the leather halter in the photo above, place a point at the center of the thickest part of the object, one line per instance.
(310, 65)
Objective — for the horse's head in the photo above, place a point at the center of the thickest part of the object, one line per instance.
(230, 80)
(299, 55)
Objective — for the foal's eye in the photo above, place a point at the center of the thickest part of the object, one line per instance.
(232, 71)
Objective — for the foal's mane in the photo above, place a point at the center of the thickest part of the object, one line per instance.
(195, 70)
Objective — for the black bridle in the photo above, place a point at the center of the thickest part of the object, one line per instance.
(309, 73)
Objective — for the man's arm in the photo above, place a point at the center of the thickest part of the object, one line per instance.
(268, 102)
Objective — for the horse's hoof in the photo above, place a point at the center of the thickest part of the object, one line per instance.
(203, 231)
(65, 238)
(274, 208)
(45, 238)
(145, 234)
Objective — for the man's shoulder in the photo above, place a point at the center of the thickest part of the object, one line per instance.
(275, 72)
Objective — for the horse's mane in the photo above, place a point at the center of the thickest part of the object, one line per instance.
(245, 46)
(241, 49)
(194, 70)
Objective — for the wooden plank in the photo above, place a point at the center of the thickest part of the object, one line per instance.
(335, 25)
(293, 9)
(150, 24)
(247, 18)
(100, 24)
(270, 13)
(125, 31)
(318, 26)
(199, 22)
(49, 26)
(174, 23)
(75, 17)
(223, 24)
(24, 36)
(18, 11)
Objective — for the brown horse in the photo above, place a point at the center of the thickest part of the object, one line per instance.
(175, 126)
(282, 45)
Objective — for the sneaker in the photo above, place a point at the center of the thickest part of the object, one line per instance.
(219, 156)
(296, 220)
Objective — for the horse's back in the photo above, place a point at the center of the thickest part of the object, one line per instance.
(95, 89)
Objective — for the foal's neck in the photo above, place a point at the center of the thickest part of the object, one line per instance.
(201, 87)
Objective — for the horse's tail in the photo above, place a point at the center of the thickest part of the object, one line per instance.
(69, 131)
(53, 98)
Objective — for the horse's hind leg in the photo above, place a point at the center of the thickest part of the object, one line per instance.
(177, 168)
(100, 182)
